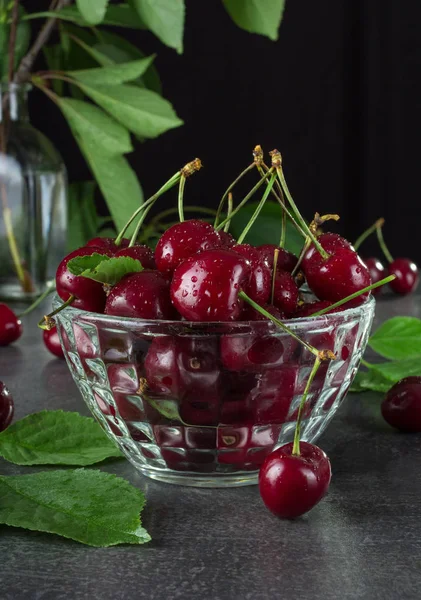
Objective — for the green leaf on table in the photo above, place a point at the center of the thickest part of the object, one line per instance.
(94, 127)
(398, 338)
(143, 112)
(56, 437)
(89, 506)
(370, 380)
(396, 370)
(267, 228)
(257, 16)
(114, 74)
(92, 11)
(112, 270)
(79, 264)
(82, 219)
(165, 18)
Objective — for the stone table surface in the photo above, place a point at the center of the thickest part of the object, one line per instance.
(362, 541)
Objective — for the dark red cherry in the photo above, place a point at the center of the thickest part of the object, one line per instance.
(401, 407)
(407, 276)
(6, 407)
(125, 382)
(250, 352)
(10, 326)
(205, 287)
(107, 243)
(276, 392)
(140, 252)
(331, 242)
(227, 240)
(89, 294)
(286, 260)
(52, 342)
(161, 367)
(181, 241)
(309, 308)
(343, 273)
(377, 272)
(260, 279)
(145, 295)
(286, 293)
(251, 314)
(291, 485)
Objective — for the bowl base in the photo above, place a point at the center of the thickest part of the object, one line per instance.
(211, 480)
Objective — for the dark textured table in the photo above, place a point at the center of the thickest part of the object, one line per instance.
(362, 541)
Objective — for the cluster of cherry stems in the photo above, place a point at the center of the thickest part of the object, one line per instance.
(199, 272)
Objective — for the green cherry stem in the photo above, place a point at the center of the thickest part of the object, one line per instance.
(47, 322)
(230, 207)
(49, 290)
(180, 198)
(379, 223)
(373, 286)
(275, 264)
(284, 230)
(244, 200)
(139, 225)
(297, 434)
(170, 211)
(227, 191)
(301, 257)
(258, 209)
(383, 246)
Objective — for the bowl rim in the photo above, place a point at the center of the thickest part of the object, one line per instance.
(346, 314)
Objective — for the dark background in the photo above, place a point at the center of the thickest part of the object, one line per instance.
(338, 94)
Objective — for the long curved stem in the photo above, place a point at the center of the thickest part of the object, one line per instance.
(139, 225)
(229, 188)
(297, 434)
(379, 223)
(258, 209)
(47, 322)
(230, 207)
(50, 289)
(383, 246)
(181, 198)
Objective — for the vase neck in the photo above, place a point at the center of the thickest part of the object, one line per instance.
(14, 101)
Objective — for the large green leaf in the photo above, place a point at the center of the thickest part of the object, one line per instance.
(398, 338)
(85, 505)
(267, 228)
(257, 16)
(165, 18)
(114, 74)
(82, 219)
(92, 11)
(94, 127)
(56, 437)
(143, 112)
(119, 15)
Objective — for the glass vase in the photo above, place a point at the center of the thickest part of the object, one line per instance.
(33, 200)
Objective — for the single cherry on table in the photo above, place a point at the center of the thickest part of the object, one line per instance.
(406, 276)
(10, 326)
(377, 272)
(52, 342)
(401, 407)
(6, 407)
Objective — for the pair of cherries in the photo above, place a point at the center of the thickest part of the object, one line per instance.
(405, 272)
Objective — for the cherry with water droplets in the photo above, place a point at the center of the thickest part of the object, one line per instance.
(10, 326)
(141, 253)
(227, 240)
(144, 295)
(286, 260)
(205, 287)
(291, 485)
(377, 272)
(107, 243)
(183, 240)
(331, 242)
(286, 294)
(6, 407)
(258, 288)
(401, 407)
(52, 342)
(89, 294)
(407, 276)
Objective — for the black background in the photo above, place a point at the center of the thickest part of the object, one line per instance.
(338, 94)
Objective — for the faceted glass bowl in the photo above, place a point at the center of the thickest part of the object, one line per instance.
(204, 403)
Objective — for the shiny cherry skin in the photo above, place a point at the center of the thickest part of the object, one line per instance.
(331, 242)
(286, 260)
(144, 295)
(401, 407)
(286, 293)
(52, 342)
(89, 294)
(181, 241)
(407, 276)
(251, 353)
(205, 287)
(227, 240)
(6, 407)
(343, 273)
(260, 279)
(141, 253)
(10, 326)
(377, 272)
(107, 243)
(276, 392)
(291, 485)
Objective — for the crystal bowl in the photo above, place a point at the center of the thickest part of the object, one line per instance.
(204, 403)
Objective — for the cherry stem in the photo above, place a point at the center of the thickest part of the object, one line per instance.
(167, 186)
(284, 230)
(297, 434)
(379, 223)
(47, 322)
(277, 322)
(230, 207)
(275, 264)
(373, 286)
(139, 225)
(258, 209)
(49, 290)
(297, 213)
(180, 198)
(383, 246)
(243, 201)
(229, 188)
(301, 257)
(170, 211)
